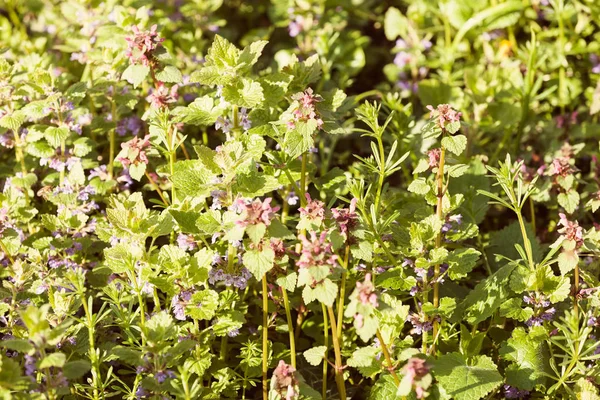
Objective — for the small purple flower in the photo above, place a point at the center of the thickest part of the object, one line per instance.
(511, 392)
(233, 332)
(186, 242)
(292, 198)
(162, 376)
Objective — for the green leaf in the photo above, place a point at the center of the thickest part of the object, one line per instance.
(202, 112)
(136, 171)
(461, 262)
(249, 56)
(53, 360)
(12, 121)
(222, 53)
(419, 186)
(385, 389)
(394, 23)
(363, 356)
(455, 144)
(259, 262)
(244, 93)
(325, 292)
(300, 139)
(288, 282)
(136, 74)
(487, 296)
(169, 74)
(55, 135)
(76, 369)
(203, 304)
(513, 308)
(20, 345)
(569, 200)
(315, 355)
(82, 147)
(529, 356)
(467, 381)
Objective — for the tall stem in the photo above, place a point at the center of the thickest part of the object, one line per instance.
(172, 159)
(575, 300)
(438, 240)
(303, 179)
(342, 297)
(326, 343)
(388, 358)
(157, 188)
(339, 372)
(381, 173)
(286, 300)
(92, 349)
(526, 241)
(112, 140)
(265, 338)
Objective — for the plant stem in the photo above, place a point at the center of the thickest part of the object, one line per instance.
(265, 338)
(142, 316)
(339, 373)
(381, 173)
(326, 342)
(438, 240)
(286, 300)
(342, 297)
(388, 358)
(160, 193)
(92, 348)
(526, 241)
(111, 139)
(303, 179)
(172, 159)
(575, 300)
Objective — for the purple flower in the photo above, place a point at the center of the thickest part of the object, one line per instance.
(511, 392)
(186, 242)
(162, 376)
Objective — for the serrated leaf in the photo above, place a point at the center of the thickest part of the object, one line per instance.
(259, 262)
(244, 93)
(419, 186)
(315, 355)
(53, 360)
(465, 381)
(529, 356)
(169, 74)
(363, 357)
(203, 304)
(135, 74)
(569, 200)
(455, 144)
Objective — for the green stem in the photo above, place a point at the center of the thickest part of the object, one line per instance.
(286, 300)
(438, 239)
(303, 179)
(142, 316)
(96, 377)
(339, 372)
(326, 343)
(526, 241)
(388, 358)
(112, 140)
(342, 296)
(265, 338)
(381, 173)
(172, 159)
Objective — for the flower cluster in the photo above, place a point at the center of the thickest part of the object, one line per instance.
(257, 212)
(415, 373)
(445, 114)
(134, 151)
(142, 45)
(570, 230)
(162, 96)
(542, 309)
(306, 109)
(316, 251)
(285, 382)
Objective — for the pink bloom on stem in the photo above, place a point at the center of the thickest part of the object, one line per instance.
(314, 209)
(258, 212)
(306, 109)
(134, 151)
(285, 381)
(570, 230)
(162, 96)
(141, 45)
(445, 114)
(316, 251)
(366, 292)
(346, 218)
(434, 157)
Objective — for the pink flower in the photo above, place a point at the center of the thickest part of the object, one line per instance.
(434, 157)
(445, 114)
(162, 96)
(366, 292)
(313, 210)
(570, 230)
(285, 381)
(316, 252)
(141, 45)
(133, 151)
(346, 218)
(306, 109)
(415, 370)
(561, 166)
(258, 212)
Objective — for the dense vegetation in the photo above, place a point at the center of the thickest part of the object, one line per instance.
(299, 199)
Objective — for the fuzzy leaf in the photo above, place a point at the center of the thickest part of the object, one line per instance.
(455, 144)
(135, 74)
(467, 381)
(259, 262)
(315, 355)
